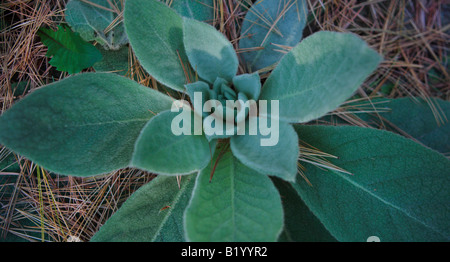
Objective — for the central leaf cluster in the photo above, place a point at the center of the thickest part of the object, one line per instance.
(225, 101)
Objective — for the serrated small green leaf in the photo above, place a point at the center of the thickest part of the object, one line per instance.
(68, 51)
(154, 213)
(238, 205)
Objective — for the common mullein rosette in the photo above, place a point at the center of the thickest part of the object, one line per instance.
(227, 104)
(230, 108)
(96, 123)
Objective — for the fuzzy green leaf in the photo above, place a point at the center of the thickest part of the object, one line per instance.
(278, 159)
(154, 213)
(319, 74)
(397, 190)
(201, 10)
(237, 205)
(68, 51)
(426, 122)
(159, 150)
(115, 61)
(417, 119)
(82, 125)
(155, 32)
(209, 52)
(269, 23)
(300, 224)
(249, 84)
(97, 21)
(203, 88)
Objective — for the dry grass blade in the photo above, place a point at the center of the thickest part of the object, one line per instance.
(409, 34)
(112, 9)
(314, 156)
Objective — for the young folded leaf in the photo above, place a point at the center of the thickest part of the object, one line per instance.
(249, 84)
(209, 52)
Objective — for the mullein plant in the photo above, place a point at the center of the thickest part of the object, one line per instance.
(217, 180)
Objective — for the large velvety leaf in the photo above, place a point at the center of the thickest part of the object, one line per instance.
(319, 74)
(269, 23)
(417, 119)
(426, 122)
(83, 125)
(209, 52)
(159, 150)
(68, 51)
(155, 32)
(115, 61)
(97, 20)
(277, 160)
(300, 224)
(154, 213)
(237, 205)
(398, 190)
(202, 10)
